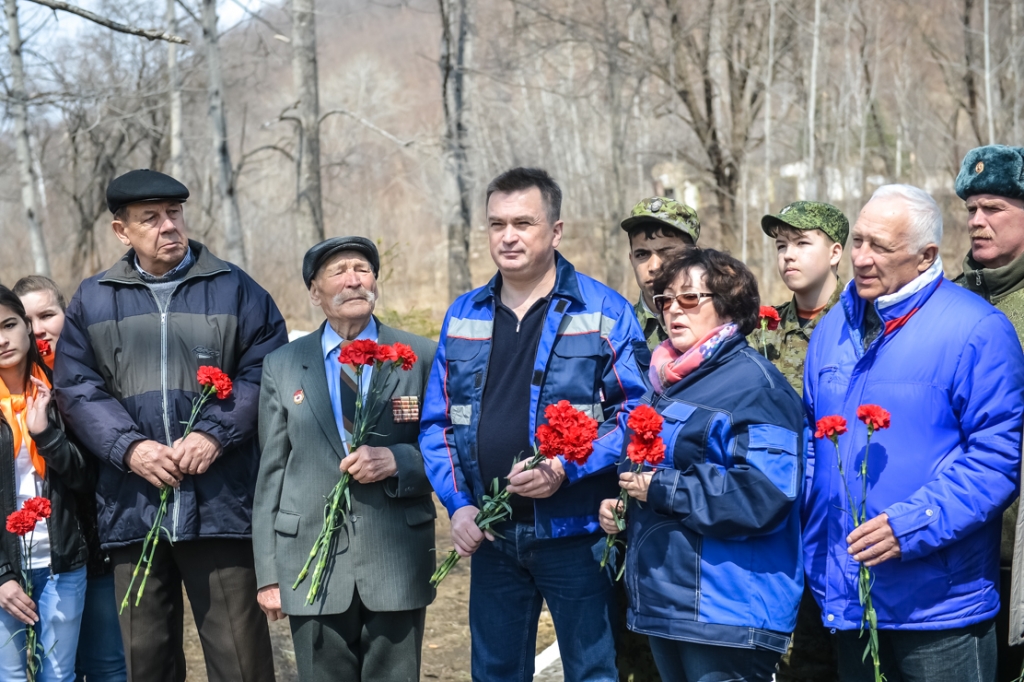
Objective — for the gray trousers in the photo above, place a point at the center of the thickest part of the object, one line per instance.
(221, 583)
(359, 645)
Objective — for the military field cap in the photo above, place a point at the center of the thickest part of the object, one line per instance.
(810, 215)
(143, 185)
(666, 212)
(319, 254)
(994, 169)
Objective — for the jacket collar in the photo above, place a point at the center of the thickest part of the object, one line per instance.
(894, 310)
(790, 321)
(125, 272)
(730, 347)
(566, 284)
(993, 283)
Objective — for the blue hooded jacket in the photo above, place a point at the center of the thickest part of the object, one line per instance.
(714, 554)
(585, 355)
(949, 368)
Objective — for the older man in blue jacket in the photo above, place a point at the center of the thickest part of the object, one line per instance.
(538, 333)
(949, 368)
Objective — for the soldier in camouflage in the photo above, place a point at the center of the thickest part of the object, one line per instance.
(809, 238)
(659, 229)
(991, 182)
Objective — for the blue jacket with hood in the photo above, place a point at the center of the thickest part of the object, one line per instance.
(585, 355)
(949, 368)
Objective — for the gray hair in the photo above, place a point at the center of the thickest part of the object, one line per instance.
(925, 214)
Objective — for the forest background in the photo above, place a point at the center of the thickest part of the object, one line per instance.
(310, 118)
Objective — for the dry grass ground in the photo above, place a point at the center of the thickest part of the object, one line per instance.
(445, 641)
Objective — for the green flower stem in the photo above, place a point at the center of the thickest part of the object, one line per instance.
(612, 539)
(335, 511)
(33, 657)
(495, 510)
(764, 343)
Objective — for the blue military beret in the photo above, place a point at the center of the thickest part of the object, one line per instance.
(318, 254)
(143, 185)
(994, 169)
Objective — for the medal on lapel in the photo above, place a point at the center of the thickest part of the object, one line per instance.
(299, 397)
(405, 409)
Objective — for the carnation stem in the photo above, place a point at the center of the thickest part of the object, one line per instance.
(495, 510)
(612, 539)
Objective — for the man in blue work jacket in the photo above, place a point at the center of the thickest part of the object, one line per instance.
(537, 333)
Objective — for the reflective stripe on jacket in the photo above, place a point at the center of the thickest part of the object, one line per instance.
(585, 356)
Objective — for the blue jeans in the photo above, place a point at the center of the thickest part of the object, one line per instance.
(691, 662)
(960, 655)
(100, 651)
(509, 580)
(59, 602)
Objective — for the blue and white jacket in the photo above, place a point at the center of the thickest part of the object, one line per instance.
(948, 367)
(585, 355)
(714, 554)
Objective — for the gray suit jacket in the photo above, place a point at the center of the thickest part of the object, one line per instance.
(385, 549)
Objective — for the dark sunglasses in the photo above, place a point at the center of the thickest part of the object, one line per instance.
(687, 301)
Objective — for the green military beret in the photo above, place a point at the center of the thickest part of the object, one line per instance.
(995, 169)
(810, 215)
(668, 213)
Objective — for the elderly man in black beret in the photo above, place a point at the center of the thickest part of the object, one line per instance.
(367, 622)
(125, 373)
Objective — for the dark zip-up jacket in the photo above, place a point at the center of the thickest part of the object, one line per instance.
(125, 371)
(66, 475)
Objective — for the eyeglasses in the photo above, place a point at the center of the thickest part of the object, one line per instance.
(686, 301)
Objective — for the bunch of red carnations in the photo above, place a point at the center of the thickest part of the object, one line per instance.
(358, 355)
(23, 524)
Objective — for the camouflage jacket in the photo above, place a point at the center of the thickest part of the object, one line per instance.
(786, 347)
(649, 322)
(1004, 288)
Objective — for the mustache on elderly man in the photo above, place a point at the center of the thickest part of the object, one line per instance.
(352, 294)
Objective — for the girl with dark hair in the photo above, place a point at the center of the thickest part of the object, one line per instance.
(37, 460)
(714, 571)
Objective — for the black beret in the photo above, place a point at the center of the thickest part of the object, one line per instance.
(316, 256)
(994, 169)
(143, 185)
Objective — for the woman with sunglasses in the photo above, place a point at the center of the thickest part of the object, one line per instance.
(37, 460)
(713, 563)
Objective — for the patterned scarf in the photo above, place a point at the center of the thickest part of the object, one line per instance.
(669, 365)
(13, 409)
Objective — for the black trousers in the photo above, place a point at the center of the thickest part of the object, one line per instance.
(220, 579)
(359, 645)
(1011, 658)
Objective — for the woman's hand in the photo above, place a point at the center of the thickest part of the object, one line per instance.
(15, 602)
(606, 515)
(36, 418)
(636, 485)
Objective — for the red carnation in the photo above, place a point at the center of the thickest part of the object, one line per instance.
(44, 348)
(406, 355)
(21, 522)
(874, 416)
(38, 507)
(213, 376)
(569, 433)
(769, 318)
(830, 427)
(385, 353)
(645, 443)
(361, 352)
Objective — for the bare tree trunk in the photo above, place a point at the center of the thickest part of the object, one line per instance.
(455, 31)
(769, 72)
(1015, 64)
(174, 86)
(234, 246)
(812, 166)
(26, 173)
(309, 217)
(989, 113)
(613, 242)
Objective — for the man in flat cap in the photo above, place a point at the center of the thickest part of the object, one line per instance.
(659, 229)
(125, 373)
(367, 622)
(991, 182)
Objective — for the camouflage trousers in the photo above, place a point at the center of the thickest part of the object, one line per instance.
(812, 654)
(633, 657)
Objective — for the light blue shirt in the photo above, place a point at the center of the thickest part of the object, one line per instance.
(331, 341)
